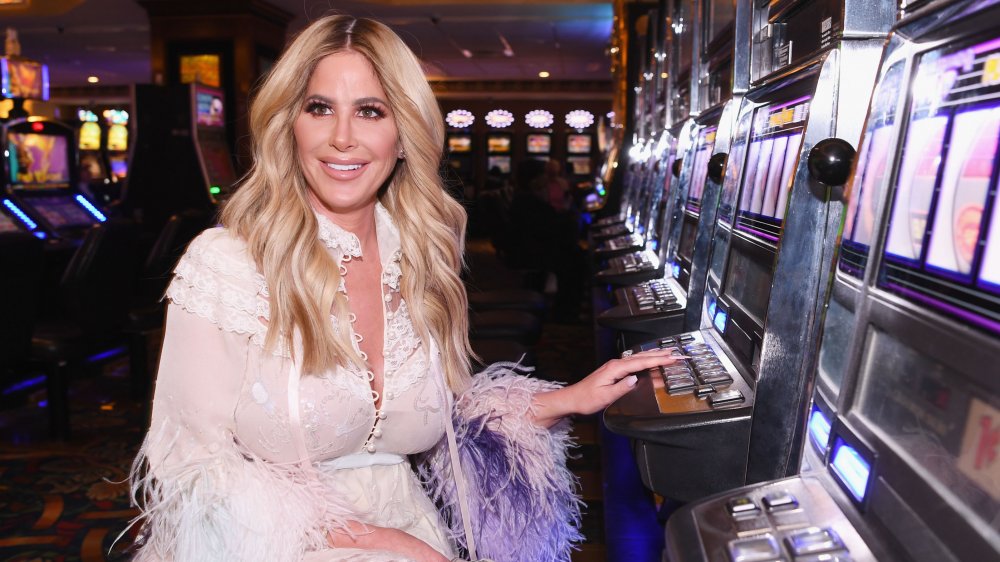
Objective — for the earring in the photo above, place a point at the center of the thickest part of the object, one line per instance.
(402, 155)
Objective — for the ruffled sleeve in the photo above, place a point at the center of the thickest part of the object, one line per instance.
(202, 495)
(523, 499)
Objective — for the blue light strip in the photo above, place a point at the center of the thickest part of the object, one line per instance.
(675, 270)
(32, 225)
(45, 82)
(819, 429)
(106, 354)
(22, 385)
(711, 307)
(851, 469)
(4, 78)
(91, 208)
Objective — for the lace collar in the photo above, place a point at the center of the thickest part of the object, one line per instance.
(338, 240)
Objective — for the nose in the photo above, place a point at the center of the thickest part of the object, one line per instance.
(342, 135)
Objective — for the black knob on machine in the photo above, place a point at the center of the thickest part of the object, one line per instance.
(676, 168)
(717, 166)
(830, 161)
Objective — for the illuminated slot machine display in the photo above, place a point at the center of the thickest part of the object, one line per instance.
(901, 453)
(41, 178)
(209, 124)
(538, 145)
(640, 210)
(461, 156)
(117, 143)
(498, 152)
(578, 159)
(734, 406)
(94, 174)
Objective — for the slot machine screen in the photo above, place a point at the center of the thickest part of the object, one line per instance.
(748, 282)
(61, 211)
(721, 14)
(7, 224)
(578, 144)
(775, 142)
(91, 167)
(868, 184)
(459, 143)
(500, 162)
(498, 144)
(579, 164)
(941, 251)
(90, 136)
(734, 164)
(38, 161)
(539, 143)
(118, 137)
(209, 108)
(217, 164)
(119, 166)
(699, 171)
(685, 247)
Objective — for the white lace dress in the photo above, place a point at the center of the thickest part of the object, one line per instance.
(221, 472)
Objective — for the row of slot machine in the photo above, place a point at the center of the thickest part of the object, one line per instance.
(61, 180)
(821, 243)
(501, 155)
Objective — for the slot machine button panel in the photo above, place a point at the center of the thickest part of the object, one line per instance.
(761, 548)
(780, 501)
(814, 540)
(742, 506)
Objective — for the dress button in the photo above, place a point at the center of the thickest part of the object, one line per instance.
(377, 433)
(370, 448)
(382, 415)
(387, 298)
(390, 395)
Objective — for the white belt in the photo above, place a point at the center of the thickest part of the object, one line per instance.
(359, 460)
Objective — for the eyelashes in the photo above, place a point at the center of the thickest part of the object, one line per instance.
(368, 111)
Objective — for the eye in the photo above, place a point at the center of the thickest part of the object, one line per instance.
(316, 107)
(371, 111)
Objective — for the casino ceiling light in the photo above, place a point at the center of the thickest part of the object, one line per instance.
(539, 119)
(544, 74)
(93, 79)
(499, 118)
(579, 119)
(459, 118)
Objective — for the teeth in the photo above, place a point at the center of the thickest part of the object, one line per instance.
(344, 167)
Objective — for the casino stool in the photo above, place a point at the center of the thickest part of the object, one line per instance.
(517, 325)
(21, 261)
(96, 290)
(148, 309)
(508, 299)
(493, 351)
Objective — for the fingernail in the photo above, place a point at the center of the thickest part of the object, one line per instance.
(631, 380)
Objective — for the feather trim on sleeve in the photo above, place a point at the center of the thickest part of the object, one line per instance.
(231, 506)
(524, 500)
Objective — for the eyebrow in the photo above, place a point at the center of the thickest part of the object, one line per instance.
(357, 103)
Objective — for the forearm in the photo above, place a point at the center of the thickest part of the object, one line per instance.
(549, 407)
(372, 537)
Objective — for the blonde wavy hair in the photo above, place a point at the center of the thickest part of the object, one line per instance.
(271, 212)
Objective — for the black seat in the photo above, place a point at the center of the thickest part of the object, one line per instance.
(96, 290)
(147, 313)
(525, 300)
(517, 325)
(21, 261)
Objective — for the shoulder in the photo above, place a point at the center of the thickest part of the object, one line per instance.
(217, 280)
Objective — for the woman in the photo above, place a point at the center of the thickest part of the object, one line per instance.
(318, 339)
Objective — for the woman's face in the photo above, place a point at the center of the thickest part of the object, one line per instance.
(346, 136)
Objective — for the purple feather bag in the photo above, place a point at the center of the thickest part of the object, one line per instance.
(523, 499)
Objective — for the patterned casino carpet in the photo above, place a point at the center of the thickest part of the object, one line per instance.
(68, 501)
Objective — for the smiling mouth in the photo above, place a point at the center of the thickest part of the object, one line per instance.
(343, 167)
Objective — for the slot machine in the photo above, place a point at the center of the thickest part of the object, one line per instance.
(460, 155)
(41, 179)
(900, 449)
(734, 405)
(180, 156)
(658, 305)
(94, 176)
(116, 144)
(579, 162)
(40, 161)
(498, 152)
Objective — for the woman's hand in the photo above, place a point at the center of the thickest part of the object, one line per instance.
(372, 537)
(600, 388)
